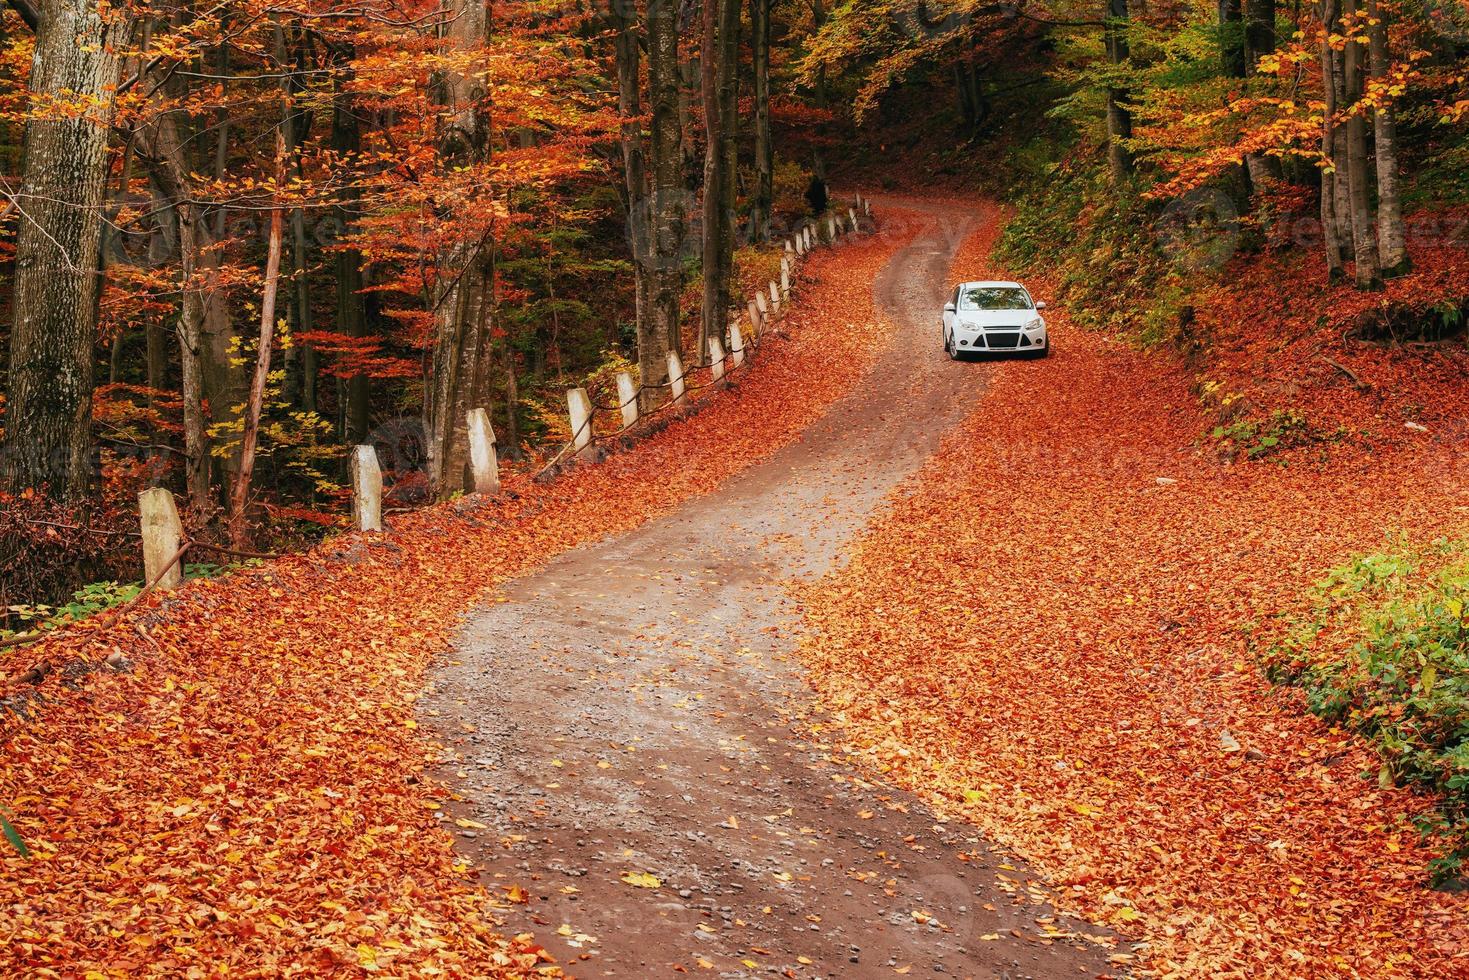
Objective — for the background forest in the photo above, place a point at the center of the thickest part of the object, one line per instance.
(239, 239)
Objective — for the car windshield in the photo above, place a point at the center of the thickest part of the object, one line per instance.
(993, 298)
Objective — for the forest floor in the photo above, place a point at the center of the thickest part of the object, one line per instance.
(876, 665)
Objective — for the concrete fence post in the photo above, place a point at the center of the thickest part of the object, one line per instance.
(752, 309)
(790, 248)
(675, 377)
(852, 219)
(801, 242)
(367, 489)
(774, 296)
(627, 395)
(785, 279)
(867, 208)
(579, 407)
(163, 533)
(716, 360)
(736, 344)
(831, 228)
(760, 302)
(483, 462)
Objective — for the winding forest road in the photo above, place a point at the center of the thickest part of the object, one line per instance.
(635, 709)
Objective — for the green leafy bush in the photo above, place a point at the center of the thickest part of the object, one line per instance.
(1385, 652)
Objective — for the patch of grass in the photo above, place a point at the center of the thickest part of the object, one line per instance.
(1384, 651)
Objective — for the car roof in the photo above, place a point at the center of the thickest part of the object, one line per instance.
(990, 282)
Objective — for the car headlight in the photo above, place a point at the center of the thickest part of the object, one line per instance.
(1035, 324)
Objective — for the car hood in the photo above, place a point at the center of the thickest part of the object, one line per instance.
(996, 318)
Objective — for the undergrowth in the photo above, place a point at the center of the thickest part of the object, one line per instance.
(1384, 651)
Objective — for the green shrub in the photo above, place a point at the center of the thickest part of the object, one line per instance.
(1385, 652)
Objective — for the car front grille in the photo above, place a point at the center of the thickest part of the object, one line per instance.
(1002, 341)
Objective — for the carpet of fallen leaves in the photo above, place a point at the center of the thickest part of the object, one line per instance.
(245, 789)
(1044, 634)
(1280, 339)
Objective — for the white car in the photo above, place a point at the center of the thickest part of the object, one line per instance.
(994, 316)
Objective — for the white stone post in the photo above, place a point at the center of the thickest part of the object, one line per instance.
(736, 344)
(627, 394)
(367, 489)
(774, 296)
(831, 228)
(867, 208)
(716, 360)
(162, 535)
(579, 407)
(756, 321)
(760, 302)
(675, 377)
(785, 279)
(483, 462)
(852, 219)
(790, 248)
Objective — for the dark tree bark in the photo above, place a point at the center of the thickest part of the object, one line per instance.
(627, 50)
(57, 286)
(1259, 40)
(1231, 39)
(1259, 31)
(669, 197)
(720, 52)
(1119, 117)
(164, 152)
(764, 148)
(351, 308)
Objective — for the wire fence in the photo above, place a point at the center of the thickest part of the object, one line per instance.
(732, 364)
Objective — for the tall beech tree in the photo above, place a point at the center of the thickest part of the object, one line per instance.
(59, 212)
(720, 53)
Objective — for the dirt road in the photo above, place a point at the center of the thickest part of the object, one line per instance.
(632, 734)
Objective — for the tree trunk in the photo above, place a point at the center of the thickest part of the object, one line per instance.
(1333, 218)
(48, 418)
(1259, 32)
(665, 284)
(1259, 40)
(240, 495)
(628, 59)
(1392, 241)
(1119, 117)
(351, 309)
(764, 148)
(169, 170)
(458, 313)
(1364, 233)
(1231, 39)
(719, 52)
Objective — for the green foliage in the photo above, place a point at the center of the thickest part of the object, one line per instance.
(1096, 241)
(94, 598)
(11, 834)
(1385, 651)
(1259, 437)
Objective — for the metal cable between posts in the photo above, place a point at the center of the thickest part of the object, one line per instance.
(689, 388)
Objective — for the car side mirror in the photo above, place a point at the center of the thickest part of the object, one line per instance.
(1041, 305)
(948, 307)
